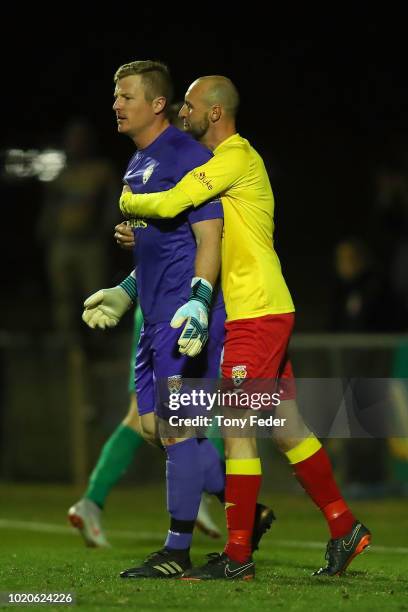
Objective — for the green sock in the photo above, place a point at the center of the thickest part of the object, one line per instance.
(218, 443)
(115, 458)
(214, 436)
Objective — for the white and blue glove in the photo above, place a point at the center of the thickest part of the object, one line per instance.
(106, 307)
(195, 312)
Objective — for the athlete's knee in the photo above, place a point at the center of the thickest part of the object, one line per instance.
(149, 428)
(171, 441)
(132, 419)
(294, 429)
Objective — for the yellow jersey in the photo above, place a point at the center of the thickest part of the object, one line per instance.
(251, 275)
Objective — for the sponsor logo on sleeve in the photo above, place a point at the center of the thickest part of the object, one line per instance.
(202, 177)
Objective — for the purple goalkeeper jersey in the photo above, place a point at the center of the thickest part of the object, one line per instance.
(165, 248)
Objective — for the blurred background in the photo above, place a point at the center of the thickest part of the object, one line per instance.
(324, 101)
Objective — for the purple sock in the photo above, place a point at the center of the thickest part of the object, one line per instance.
(185, 483)
(213, 467)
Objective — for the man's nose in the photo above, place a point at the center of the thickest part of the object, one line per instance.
(182, 112)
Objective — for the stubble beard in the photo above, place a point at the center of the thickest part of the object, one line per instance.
(199, 130)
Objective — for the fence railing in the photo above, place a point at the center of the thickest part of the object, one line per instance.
(59, 399)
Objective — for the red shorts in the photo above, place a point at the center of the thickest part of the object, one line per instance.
(257, 349)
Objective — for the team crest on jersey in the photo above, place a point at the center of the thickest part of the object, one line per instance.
(239, 374)
(174, 383)
(147, 173)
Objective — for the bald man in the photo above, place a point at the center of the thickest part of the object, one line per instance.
(260, 320)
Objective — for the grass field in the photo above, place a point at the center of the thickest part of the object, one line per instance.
(40, 553)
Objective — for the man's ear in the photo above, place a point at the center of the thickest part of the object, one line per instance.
(215, 113)
(159, 104)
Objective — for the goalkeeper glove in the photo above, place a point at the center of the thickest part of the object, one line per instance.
(195, 312)
(106, 307)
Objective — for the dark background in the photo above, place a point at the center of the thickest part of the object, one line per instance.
(324, 100)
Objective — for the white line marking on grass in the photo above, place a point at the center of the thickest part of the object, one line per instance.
(33, 526)
(53, 528)
(154, 535)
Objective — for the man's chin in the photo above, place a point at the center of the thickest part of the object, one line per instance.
(196, 134)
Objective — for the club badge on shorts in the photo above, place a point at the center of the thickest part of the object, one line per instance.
(174, 383)
(239, 374)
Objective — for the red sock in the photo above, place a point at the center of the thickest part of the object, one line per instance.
(316, 477)
(241, 493)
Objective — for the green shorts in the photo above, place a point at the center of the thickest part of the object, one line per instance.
(137, 328)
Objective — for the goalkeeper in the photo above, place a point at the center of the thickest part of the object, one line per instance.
(105, 308)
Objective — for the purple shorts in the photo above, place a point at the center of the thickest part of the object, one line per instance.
(158, 358)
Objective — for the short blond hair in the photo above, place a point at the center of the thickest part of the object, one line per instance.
(155, 77)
